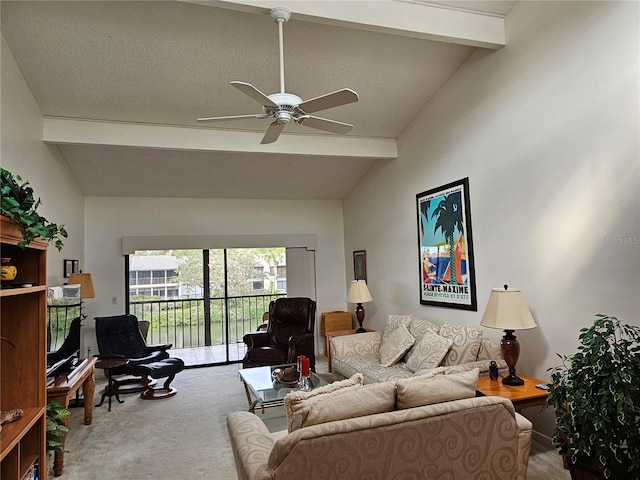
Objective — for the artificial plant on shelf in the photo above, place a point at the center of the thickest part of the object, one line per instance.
(596, 396)
(56, 426)
(19, 204)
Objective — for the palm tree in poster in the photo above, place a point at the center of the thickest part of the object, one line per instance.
(449, 213)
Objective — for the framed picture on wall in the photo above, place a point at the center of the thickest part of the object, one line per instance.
(75, 268)
(360, 265)
(445, 247)
(67, 267)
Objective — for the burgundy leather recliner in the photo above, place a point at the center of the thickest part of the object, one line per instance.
(289, 334)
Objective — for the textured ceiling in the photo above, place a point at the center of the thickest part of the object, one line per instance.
(167, 63)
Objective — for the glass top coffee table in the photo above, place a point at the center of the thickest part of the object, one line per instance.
(263, 390)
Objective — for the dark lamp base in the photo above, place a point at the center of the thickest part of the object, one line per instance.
(513, 381)
(360, 318)
(510, 348)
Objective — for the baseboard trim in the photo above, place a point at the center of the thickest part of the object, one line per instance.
(542, 438)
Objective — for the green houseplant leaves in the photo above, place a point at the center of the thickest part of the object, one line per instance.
(56, 427)
(596, 396)
(19, 204)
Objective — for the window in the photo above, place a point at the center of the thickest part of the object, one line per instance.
(205, 297)
(159, 277)
(172, 292)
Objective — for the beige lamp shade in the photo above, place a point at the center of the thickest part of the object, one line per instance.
(358, 292)
(507, 310)
(86, 284)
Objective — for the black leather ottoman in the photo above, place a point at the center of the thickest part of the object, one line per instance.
(168, 368)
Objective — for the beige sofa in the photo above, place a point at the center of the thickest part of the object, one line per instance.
(466, 350)
(479, 437)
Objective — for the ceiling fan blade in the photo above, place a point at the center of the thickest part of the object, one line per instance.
(324, 124)
(232, 117)
(272, 133)
(330, 100)
(251, 91)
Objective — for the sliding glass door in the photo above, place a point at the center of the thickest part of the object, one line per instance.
(204, 301)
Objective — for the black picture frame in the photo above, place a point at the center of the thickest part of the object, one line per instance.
(67, 267)
(360, 265)
(445, 247)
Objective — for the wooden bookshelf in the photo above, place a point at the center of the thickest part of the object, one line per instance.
(23, 368)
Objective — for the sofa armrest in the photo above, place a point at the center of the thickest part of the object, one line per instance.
(356, 344)
(251, 444)
(482, 365)
(525, 430)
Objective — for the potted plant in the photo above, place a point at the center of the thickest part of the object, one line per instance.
(19, 204)
(56, 426)
(596, 396)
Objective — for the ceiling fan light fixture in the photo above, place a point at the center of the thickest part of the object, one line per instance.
(283, 117)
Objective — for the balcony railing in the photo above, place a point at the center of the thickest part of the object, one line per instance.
(59, 320)
(184, 324)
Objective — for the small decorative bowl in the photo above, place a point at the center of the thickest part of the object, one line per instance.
(286, 376)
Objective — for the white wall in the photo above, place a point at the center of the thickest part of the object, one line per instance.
(23, 153)
(108, 219)
(547, 130)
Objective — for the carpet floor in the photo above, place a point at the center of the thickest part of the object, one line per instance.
(185, 437)
(182, 437)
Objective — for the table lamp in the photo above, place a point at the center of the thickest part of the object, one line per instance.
(507, 310)
(359, 293)
(86, 286)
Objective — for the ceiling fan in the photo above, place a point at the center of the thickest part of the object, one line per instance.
(283, 107)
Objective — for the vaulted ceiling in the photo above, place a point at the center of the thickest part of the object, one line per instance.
(121, 83)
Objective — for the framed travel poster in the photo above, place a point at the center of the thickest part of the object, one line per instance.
(447, 273)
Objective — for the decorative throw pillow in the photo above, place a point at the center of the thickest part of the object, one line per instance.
(489, 350)
(346, 403)
(429, 389)
(393, 322)
(428, 352)
(420, 325)
(395, 346)
(294, 402)
(417, 328)
(466, 343)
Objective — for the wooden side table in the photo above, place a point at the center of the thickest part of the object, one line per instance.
(327, 344)
(112, 387)
(525, 396)
(64, 386)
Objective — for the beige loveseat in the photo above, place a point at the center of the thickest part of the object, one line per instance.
(448, 348)
(479, 437)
